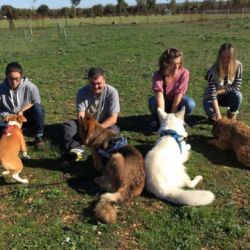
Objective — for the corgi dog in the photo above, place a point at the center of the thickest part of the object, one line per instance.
(11, 142)
(165, 172)
(121, 166)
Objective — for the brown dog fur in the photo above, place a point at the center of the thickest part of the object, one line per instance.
(11, 142)
(123, 175)
(232, 135)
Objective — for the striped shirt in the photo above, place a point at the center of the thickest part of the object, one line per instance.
(215, 83)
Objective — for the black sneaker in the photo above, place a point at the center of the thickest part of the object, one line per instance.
(39, 143)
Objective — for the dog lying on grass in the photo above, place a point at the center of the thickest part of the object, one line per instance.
(165, 173)
(11, 142)
(232, 135)
(121, 165)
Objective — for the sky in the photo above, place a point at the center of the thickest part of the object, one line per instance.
(53, 4)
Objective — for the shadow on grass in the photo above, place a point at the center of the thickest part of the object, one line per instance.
(141, 123)
(136, 123)
(54, 133)
(83, 181)
(214, 155)
(193, 120)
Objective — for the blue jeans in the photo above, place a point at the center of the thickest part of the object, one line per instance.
(232, 100)
(35, 119)
(186, 101)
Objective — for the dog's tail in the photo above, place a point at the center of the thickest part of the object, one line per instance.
(106, 208)
(188, 197)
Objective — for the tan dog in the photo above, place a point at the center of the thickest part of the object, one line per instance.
(233, 135)
(11, 142)
(122, 168)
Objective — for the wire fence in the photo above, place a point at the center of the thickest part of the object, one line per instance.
(241, 18)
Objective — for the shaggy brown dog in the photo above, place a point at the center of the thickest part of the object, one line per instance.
(233, 135)
(122, 168)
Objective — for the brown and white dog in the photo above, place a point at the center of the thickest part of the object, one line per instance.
(232, 135)
(122, 168)
(11, 142)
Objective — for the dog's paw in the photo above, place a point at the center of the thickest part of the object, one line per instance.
(198, 178)
(25, 181)
(25, 156)
(6, 172)
(195, 181)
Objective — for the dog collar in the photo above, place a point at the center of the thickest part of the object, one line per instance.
(178, 138)
(8, 129)
(114, 145)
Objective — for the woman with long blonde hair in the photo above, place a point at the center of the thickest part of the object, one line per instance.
(224, 82)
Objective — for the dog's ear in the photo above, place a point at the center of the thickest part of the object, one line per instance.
(6, 118)
(21, 118)
(88, 116)
(180, 114)
(10, 117)
(161, 114)
(88, 130)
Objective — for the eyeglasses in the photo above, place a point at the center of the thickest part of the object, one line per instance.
(16, 79)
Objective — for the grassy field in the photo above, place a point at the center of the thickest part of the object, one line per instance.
(54, 210)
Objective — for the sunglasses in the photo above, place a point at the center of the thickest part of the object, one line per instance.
(16, 79)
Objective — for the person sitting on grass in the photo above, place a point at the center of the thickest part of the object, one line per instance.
(224, 81)
(20, 96)
(170, 84)
(100, 100)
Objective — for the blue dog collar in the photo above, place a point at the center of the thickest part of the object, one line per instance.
(178, 138)
(115, 145)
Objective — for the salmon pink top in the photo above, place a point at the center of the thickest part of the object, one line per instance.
(179, 84)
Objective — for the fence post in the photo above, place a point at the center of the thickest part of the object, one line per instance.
(58, 29)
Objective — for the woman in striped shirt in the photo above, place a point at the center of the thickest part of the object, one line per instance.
(224, 82)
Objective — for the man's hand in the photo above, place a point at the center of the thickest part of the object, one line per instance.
(20, 113)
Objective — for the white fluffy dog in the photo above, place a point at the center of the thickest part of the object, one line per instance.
(165, 172)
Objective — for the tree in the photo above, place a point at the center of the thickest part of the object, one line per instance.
(121, 6)
(97, 10)
(43, 10)
(109, 9)
(10, 13)
(151, 4)
(75, 3)
(141, 5)
(186, 5)
(237, 3)
(172, 6)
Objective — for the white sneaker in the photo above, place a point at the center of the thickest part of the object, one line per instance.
(78, 152)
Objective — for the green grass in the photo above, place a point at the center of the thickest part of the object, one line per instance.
(54, 210)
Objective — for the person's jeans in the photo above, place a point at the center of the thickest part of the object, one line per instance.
(186, 101)
(232, 100)
(35, 119)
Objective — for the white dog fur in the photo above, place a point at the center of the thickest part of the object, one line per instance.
(165, 173)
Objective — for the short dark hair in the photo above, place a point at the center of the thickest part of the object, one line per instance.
(94, 73)
(13, 67)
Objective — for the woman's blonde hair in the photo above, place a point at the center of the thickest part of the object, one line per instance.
(232, 65)
(166, 58)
